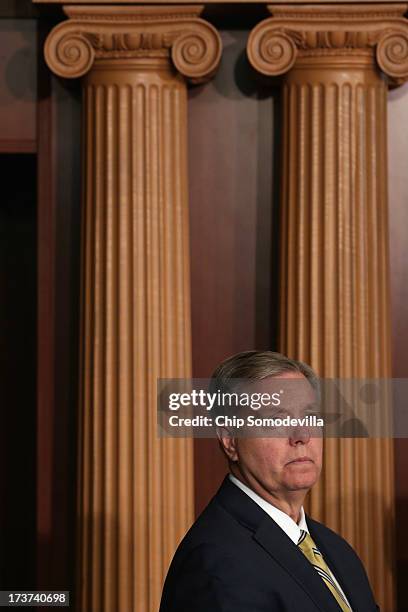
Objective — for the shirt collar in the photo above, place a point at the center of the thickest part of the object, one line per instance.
(285, 522)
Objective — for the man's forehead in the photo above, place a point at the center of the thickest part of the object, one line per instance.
(292, 388)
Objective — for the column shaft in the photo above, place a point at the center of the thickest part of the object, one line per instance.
(334, 282)
(137, 490)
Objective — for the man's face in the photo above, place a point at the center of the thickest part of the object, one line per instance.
(279, 465)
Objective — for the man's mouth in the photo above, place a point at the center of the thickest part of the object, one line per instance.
(301, 460)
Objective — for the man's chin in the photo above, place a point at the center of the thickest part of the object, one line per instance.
(301, 485)
(306, 480)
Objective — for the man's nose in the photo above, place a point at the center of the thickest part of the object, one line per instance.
(299, 435)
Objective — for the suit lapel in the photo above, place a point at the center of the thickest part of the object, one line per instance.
(276, 543)
(349, 580)
(272, 539)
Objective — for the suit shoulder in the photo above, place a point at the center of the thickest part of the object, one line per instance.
(210, 525)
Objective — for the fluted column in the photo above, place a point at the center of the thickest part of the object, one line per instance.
(336, 63)
(135, 490)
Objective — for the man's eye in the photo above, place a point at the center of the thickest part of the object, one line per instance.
(281, 414)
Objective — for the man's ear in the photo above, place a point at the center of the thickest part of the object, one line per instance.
(228, 443)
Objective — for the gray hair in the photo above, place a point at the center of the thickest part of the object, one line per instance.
(257, 365)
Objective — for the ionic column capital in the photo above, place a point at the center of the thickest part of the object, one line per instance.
(122, 33)
(319, 33)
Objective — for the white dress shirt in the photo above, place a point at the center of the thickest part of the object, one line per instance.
(286, 523)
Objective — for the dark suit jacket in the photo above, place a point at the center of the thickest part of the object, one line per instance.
(235, 558)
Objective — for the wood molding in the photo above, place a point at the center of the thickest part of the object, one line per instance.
(238, 2)
(18, 146)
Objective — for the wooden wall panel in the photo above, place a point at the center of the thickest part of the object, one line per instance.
(232, 219)
(17, 8)
(58, 304)
(18, 89)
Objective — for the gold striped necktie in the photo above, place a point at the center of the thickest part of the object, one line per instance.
(312, 553)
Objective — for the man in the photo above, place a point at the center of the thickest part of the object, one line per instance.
(253, 549)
